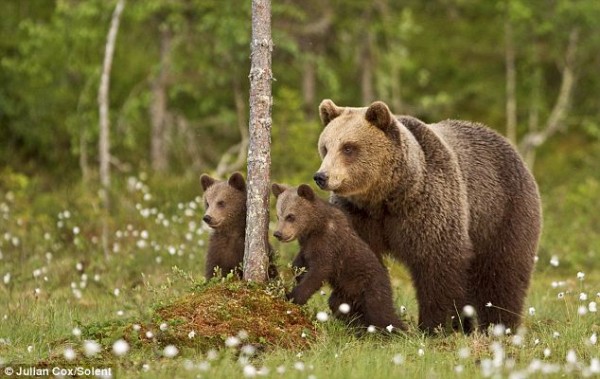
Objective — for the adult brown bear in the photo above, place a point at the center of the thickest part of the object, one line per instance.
(453, 201)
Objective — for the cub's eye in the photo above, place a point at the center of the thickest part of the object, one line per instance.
(348, 149)
(206, 204)
(221, 204)
(290, 218)
(323, 151)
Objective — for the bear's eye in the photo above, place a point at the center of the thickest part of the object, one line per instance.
(221, 204)
(323, 151)
(290, 218)
(206, 204)
(348, 149)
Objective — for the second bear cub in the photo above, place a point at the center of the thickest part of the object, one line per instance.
(332, 252)
(225, 206)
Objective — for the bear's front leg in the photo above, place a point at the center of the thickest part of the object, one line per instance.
(309, 284)
(441, 295)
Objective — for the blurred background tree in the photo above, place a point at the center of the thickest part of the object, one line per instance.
(179, 87)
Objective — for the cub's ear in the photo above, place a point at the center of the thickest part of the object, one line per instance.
(236, 180)
(206, 181)
(306, 192)
(328, 111)
(277, 189)
(379, 115)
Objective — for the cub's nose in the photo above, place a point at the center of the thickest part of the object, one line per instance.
(277, 235)
(207, 219)
(321, 179)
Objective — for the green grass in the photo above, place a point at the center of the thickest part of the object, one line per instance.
(54, 278)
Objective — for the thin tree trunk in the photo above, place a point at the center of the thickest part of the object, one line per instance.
(259, 152)
(240, 148)
(309, 86)
(158, 108)
(533, 139)
(104, 142)
(511, 82)
(366, 69)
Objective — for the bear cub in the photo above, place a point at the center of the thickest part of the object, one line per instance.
(332, 252)
(225, 213)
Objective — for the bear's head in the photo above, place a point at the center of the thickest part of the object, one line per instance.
(357, 147)
(224, 201)
(295, 211)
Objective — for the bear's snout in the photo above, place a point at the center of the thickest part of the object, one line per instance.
(278, 235)
(321, 179)
(207, 219)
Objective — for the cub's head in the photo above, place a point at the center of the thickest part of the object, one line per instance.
(356, 147)
(295, 211)
(224, 201)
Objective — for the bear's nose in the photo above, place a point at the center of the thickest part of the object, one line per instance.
(207, 219)
(321, 179)
(277, 235)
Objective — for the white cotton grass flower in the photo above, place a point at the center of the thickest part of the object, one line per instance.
(595, 366)
(91, 348)
(583, 296)
(191, 334)
(580, 275)
(170, 351)
(531, 311)
(571, 357)
(149, 334)
(464, 353)
(593, 307)
(489, 304)
(299, 366)
(593, 339)
(76, 332)
(280, 369)
(30, 348)
(137, 327)
(249, 371)
(554, 261)
(390, 328)
(421, 352)
(560, 295)
(344, 308)
(243, 335)
(117, 292)
(398, 359)
(163, 327)
(582, 310)
(120, 347)
(555, 334)
(248, 350)
(498, 330)
(69, 354)
(402, 309)
(322, 316)
(232, 341)
(547, 352)
(371, 329)
(468, 311)
(459, 369)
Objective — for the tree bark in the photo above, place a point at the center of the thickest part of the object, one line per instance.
(533, 139)
(158, 109)
(259, 152)
(103, 104)
(511, 82)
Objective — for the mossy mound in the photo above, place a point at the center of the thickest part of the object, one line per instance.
(236, 309)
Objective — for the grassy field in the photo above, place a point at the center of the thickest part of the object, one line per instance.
(58, 290)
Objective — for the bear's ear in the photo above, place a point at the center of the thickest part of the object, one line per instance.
(306, 192)
(206, 181)
(278, 189)
(328, 111)
(380, 116)
(236, 180)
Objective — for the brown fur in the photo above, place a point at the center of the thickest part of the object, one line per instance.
(225, 212)
(332, 252)
(452, 200)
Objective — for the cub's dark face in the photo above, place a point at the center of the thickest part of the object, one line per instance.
(294, 211)
(355, 147)
(224, 201)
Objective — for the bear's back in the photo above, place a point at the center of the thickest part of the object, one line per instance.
(497, 180)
